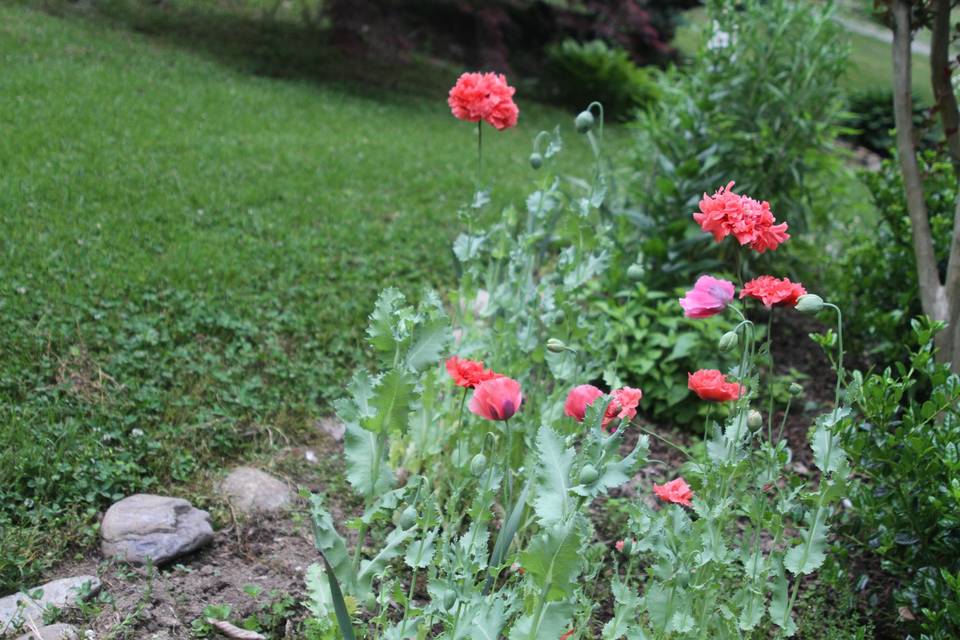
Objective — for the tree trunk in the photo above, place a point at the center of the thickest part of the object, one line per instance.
(933, 295)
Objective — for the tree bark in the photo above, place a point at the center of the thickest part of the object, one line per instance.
(940, 80)
(933, 295)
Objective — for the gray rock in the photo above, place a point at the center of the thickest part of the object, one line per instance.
(17, 608)
(144, 527)
(53, 632)
(332, 427)
(250, 490)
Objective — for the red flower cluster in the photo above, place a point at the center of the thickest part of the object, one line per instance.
(623, 403)
(468, 373)
(749, 221)
(773, 291)
(676, 491)
(484, 96)
(710, 384)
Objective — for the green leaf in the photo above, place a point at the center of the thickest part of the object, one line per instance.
(506, 535)
(751, 608)
(807, 557)
(552, 483)
(382, 332)
(552, 559)
(779, 601)
(328, 541)
(356, 406)
(359, 448)
(489, 620)
(374, 568)
(391, 402)
(827, 452)
(420, 552)
(339, 605)
(554, 621)
(429, 343)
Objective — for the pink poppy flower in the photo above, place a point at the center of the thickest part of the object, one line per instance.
(773, 291)
(496, 399)
(579, 399)
(708, 297)
(676, 491)
(484, 96)
(624, 404)
(710, 384)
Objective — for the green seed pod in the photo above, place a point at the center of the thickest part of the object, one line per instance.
(795, 389)
(636, 272)
(556, 346)
(809, 303)
(588, 475)
(584, 122)
(479, 464)
(408, 518)
(729, 341)
(754, 419)
(536, 160)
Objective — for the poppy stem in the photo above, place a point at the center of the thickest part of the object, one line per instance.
(463, 400)
(508, 471)
(479, 156)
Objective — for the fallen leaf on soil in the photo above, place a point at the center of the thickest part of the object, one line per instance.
(906, 614)
(235, 632)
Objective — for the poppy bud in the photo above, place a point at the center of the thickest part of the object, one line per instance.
(636, 272)
(408, 518)
(754, 419)
(625, 546)
(795, 389)
(479, 464)
(729, 341)
(449, 599)
(588, 475)
(809, 303)
(556, 346)
(536, 160)
(584, 122)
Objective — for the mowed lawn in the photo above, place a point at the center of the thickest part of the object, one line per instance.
(189, 253)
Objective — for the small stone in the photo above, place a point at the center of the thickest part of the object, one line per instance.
(143, 527)
(65, 592)
(52, 632)
(250, 490)
(332, 427)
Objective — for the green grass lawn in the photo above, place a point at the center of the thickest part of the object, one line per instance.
(197, 218)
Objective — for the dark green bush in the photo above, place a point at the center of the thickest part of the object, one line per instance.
(651, 345)
(876, 276)
(906, 499)
(574, 70)
(870, 116)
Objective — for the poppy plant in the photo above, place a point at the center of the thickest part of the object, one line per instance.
(486, 97)
(749, 221)
(468, 373)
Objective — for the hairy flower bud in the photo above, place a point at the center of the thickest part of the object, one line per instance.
(625, 546)
(408, 518)
(754, 419)
(589, 475)
(536, 160)
(556, 346)
(809, 303)
(636, 272)
(729, 341)
(584, 122)
(795, 389)
(479, 464)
